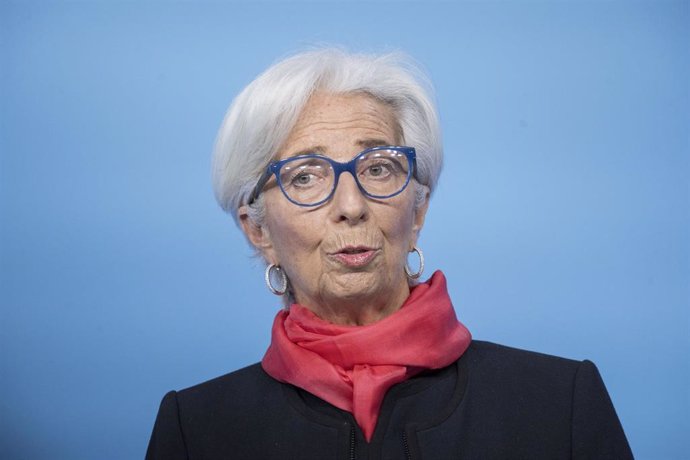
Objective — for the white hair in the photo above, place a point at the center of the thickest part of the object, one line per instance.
(261, 117)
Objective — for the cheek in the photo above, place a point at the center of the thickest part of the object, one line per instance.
(293, 236)
(399, 223)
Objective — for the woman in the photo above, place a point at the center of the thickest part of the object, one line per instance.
(327, 162)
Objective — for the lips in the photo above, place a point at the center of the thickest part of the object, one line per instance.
(355, 256)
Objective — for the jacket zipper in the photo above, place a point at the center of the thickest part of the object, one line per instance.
(406, 446)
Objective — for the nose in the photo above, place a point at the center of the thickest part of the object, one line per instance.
(348, 203)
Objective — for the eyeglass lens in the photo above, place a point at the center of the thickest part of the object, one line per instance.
(380, 173)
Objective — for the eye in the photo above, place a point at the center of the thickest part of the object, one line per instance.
(378, 170)
(303, 179)
(305, 175)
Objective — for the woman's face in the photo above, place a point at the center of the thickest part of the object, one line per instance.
(344, 259)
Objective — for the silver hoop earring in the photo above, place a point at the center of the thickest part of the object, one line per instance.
(276, 273)
(415, 275)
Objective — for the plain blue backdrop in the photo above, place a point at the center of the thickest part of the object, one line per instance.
(561, 219)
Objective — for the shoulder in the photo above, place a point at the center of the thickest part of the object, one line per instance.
(560, 402)
(504, 368)
(495, 350)
(505, 377)
(507, 364)
(504, 359)
(241, 377)
(243, 414)
(493, 357)
(215, 415)
(516, 382)
(241, 390)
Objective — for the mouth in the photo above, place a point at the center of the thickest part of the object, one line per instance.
(355, 256)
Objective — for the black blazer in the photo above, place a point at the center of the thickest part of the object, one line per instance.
(495, 402)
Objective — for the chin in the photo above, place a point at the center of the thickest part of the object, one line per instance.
(356, 286)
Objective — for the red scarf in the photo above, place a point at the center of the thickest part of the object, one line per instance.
(352, 367)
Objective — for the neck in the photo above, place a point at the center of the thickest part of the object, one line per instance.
(356, 311)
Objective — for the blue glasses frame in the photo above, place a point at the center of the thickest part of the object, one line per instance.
(338, 168)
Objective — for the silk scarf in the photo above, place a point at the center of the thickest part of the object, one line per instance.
(352, 367)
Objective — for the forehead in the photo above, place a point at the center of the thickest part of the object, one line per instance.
(341, 125)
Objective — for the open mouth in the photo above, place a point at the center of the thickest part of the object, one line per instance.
(353, 250)
(355, 256)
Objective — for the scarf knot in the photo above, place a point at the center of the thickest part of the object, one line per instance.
(352, 367)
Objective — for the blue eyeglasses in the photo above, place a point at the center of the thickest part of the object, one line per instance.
(311, 179)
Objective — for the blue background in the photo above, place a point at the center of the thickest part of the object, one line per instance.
(561, 219)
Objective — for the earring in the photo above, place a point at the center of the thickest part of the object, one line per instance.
(418, 273)
(275, 273)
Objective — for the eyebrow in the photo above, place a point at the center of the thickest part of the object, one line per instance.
(317, 149)
(321, 150)
(369, 143)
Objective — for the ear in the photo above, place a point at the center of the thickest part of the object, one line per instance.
(258, 235)
(418, 219)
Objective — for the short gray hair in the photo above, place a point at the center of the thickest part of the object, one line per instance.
(261, 117)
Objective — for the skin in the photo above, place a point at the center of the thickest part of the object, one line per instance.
(306, 242)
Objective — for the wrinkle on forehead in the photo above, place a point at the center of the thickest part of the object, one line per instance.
(328, 114)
